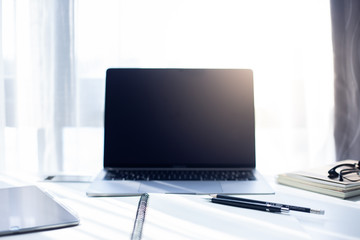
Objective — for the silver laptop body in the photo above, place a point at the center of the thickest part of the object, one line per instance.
(178, 120)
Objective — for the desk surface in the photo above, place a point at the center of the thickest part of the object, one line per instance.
(113, 218)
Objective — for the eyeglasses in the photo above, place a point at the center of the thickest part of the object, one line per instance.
(350, 172)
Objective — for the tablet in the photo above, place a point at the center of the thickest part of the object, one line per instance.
(27, 209)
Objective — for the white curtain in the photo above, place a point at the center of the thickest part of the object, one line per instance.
(54, 54)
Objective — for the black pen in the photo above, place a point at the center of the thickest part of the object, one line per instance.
(255, 206)
(294, 208)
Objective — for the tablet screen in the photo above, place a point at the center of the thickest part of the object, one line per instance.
(27, 208)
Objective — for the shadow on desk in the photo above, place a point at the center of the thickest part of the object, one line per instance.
(194, 217)
(354, 199)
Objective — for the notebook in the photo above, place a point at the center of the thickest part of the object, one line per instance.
(27, 209)
(188, 131)
(175, 216)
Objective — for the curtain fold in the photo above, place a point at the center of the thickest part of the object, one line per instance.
(54, 73)
(346, 45)
(2, 104)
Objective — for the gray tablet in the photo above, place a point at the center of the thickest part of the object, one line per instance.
(27, 209)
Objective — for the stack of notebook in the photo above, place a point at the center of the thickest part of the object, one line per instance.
(317, 180)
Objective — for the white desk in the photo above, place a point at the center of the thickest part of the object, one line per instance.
(113, 218)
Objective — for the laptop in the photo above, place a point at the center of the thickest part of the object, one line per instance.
(188, 131)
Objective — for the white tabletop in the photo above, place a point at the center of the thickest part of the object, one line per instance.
(194, 217)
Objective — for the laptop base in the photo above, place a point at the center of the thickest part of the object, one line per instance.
(101, 188)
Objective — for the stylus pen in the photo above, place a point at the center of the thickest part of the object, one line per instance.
(255, 206)
(294, 208)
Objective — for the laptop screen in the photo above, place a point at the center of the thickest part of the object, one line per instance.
(179, 118)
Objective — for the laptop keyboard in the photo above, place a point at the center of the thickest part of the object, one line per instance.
(191, 175)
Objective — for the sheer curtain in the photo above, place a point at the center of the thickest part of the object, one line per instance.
(40, 84)
(54, 55)
(346, 41)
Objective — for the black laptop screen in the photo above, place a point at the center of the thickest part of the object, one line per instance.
(179, 118)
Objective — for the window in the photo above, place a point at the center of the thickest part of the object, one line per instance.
(55, 54)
